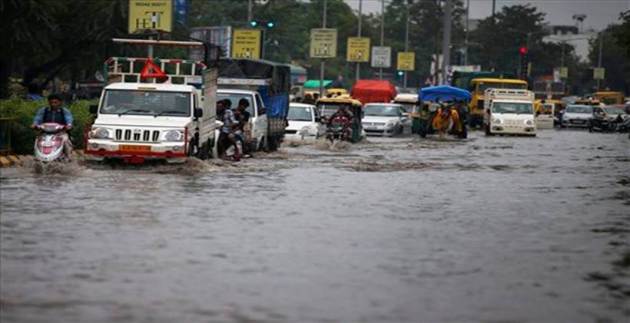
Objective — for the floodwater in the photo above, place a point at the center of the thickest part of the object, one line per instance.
(498, 229)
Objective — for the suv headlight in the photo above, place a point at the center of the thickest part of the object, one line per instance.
(100, 133)
(174, 135)
(529, 122)
(497, 121)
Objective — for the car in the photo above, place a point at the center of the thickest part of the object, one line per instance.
(303, 122)
(611, 112)
(386, 119)
(577, 115)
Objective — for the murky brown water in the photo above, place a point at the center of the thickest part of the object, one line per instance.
(494, 229)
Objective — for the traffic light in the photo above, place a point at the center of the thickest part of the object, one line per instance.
(522, 50)
(401, 73)
(262, 23)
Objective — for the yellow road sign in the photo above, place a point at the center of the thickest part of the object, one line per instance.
(150, 14)
(599, 73)
(358, 49)
(564, 72)
(406, 61)
(323, 43)
(246, 43)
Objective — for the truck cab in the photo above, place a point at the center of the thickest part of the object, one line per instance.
(257, 112)
(137, 121)
(509, 111)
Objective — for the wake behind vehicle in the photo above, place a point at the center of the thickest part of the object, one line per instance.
(385, 119)
(49, 144)
(509, 112)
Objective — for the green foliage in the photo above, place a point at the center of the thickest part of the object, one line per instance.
(622, 34)
(22, 112)
(614, 60)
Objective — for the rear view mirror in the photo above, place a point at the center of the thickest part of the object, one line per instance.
(198, 113)
(93, 108)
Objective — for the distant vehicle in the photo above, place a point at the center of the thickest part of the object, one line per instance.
(369, 91)
(577, 115)
(409, 101)
(545, 113)
(328, 106)
(611, 112)
(303, 122)
(509, 111)
(479, 86)
(609, 97)
(386, 119)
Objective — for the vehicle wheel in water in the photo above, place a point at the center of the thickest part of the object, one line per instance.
(205, 150)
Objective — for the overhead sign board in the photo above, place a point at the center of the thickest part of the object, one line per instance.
(406, 61)
(599, 73)
(323, 43)
(358, 50)
(381, 56)
(150, 14)
(246, 43)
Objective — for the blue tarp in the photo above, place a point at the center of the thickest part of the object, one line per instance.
(444, 93)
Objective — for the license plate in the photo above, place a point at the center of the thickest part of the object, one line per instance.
(134, 148)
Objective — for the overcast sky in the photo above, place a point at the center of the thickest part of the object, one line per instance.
(599, 13)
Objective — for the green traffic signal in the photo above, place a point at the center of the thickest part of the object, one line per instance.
(271, 24)
(253, 23)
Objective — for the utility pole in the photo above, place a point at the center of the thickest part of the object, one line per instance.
(599, 58)
(446, 40)
(466, 33)
(250, 10)
(406, 42)
(380, 70)
(494, 7)
(358, 71)
(322, 65)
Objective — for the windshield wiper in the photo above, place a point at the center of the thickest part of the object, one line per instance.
(132, 110)
(168, 112)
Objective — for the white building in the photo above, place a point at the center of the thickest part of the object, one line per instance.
(572, 36)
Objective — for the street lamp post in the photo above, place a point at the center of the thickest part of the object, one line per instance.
(446, 40)
(380, 70)
(358, 71)
(322, 65)
(406, 42)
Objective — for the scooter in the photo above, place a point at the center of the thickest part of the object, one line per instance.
(49, 144)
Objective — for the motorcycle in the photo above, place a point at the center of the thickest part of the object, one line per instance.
(601, 125)
(624, 125)
(339, 129)
(49, 144)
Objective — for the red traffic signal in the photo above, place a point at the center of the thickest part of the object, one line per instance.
(522, 50)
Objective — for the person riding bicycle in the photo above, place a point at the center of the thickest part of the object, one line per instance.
(57, 113)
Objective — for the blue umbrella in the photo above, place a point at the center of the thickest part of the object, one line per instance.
(444, 93)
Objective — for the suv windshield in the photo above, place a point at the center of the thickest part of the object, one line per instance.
(579, 109)
(511, 107)
(139, 102)
(382, 110)
(300, 114)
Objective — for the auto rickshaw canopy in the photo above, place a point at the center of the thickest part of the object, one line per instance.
(444, 93)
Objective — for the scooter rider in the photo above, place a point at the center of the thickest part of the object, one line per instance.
(57, 113)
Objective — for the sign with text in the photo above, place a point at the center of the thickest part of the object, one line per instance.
(246, 43)
(323, 43)
(150, 14)
(358, 50)
(599, 73)
(406, 61)
(381, 56)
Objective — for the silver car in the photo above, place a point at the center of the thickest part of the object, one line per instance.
(577, 115)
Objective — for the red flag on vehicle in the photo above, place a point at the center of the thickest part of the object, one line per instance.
(151, 70)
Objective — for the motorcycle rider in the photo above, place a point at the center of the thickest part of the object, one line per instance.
(57, 113)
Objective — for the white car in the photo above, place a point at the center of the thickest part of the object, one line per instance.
(386, 119)
(303, 122)
(577, 115)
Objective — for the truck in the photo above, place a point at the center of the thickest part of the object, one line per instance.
(265, 85)
(509, 111)
(478, 86)
(155, 109)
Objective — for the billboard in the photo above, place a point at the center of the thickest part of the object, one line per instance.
(246, 43)
(381, 56)
(358, 49)
(323, 43)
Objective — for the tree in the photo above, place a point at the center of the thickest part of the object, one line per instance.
(614, 60)
(622, 34)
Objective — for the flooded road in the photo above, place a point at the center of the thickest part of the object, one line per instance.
(496, 229)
